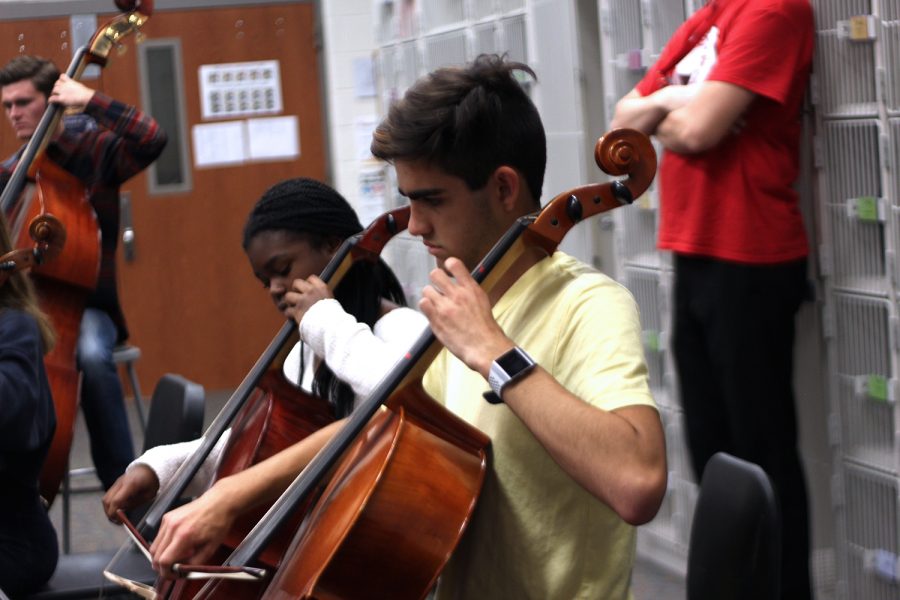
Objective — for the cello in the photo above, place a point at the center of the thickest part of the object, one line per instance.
(402, 482)
(57, 213)
(267, 413)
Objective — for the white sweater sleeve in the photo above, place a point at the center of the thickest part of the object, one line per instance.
(358, 355)
(165, 460)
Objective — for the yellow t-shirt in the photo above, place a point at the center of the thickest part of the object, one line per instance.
(535, 532)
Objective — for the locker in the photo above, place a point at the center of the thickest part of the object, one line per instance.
(871, 551)
(853, 205)
(445, 49)
(644, 285)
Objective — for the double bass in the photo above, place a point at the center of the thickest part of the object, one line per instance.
(402, 483)
(52, 219)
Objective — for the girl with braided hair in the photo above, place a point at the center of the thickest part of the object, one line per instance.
(288, 243)
(348, 342)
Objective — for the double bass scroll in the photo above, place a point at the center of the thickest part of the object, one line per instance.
(49, 237)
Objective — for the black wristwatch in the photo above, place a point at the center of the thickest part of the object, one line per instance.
(508, 367)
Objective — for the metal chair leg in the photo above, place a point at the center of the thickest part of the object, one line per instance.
(129, 356)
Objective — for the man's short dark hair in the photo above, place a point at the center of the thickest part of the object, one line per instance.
(42, 73)
(468, 121)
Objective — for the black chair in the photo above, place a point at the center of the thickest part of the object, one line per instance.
(176, 412)
(80, 576)
(176, 415)
(735, 544)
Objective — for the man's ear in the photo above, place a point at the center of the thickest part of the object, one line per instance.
(509, 187)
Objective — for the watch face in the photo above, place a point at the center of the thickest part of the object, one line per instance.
(514, 362)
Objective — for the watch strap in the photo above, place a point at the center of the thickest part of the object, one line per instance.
(507, 368)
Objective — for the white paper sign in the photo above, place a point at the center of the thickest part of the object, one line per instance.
(217, 144)
(372, 193)
(273, 138)
(363, 127)
(363, 77)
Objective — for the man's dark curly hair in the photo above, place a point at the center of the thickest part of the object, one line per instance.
(468, 121)
(42, 73)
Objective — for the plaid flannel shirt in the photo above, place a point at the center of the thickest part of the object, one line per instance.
(104, 146)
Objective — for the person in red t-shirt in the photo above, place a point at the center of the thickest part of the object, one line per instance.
(724, 100)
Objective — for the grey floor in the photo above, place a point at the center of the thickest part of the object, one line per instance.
(90, 531)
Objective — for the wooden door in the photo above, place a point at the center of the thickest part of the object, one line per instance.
(192, 304)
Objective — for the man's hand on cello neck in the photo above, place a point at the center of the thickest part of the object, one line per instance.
(71, 94)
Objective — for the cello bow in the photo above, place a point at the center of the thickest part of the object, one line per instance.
(619, 152)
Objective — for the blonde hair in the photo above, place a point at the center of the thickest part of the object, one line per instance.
(18, 293)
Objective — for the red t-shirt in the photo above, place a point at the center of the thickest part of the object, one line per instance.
(736, 201)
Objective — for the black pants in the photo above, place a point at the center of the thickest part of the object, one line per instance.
(733, 345)
(28, 545)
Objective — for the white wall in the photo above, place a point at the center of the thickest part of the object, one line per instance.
(348, 36)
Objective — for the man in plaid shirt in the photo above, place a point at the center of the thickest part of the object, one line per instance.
(103, 145)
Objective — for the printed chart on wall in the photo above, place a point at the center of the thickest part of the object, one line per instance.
(240, 89)
(243, 92)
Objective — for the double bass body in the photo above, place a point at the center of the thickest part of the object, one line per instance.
(63, 286)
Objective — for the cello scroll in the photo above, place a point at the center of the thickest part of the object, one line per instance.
(619, 152)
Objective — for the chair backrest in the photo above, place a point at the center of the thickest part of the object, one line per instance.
(80, 576)
(735, 545)
(176, 412)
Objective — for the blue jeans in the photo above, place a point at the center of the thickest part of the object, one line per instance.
(102, 401)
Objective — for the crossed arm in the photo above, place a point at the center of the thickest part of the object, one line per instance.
(686, 119)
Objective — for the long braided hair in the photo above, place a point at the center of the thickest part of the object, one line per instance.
(315, 212)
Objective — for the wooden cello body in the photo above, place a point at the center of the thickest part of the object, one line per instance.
(402, 483)
(276, 415)
(391, 516)
(63, 284)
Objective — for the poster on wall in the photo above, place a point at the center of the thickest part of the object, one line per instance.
(372, 193)
(273, 138)
(219, 144)
(240, 89)
(231, 143)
